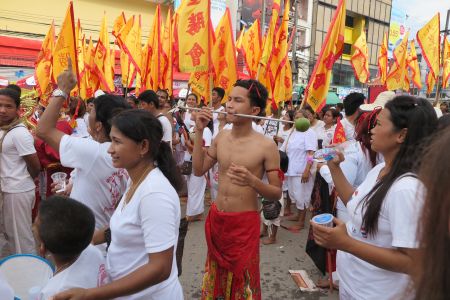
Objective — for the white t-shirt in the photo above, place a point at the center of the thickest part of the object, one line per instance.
(149, 223)
(349, 129)
(207, 138)
(318, 128)
(397, 228)
(6, 291)
(81, 129)
(187, 120)
(284, 135)
(216, 120)
(325, 134)
(296, 147)
(88, 271)
(14, 174)
(97, 183)
(167, 128)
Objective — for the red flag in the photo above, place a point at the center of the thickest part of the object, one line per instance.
(339, 133)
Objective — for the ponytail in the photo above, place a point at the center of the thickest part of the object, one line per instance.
(167, 165)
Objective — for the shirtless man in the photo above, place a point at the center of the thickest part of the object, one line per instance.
(232, 225)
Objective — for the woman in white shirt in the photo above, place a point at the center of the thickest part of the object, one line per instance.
(141, 259)
(329, 125)
(300, 147)
(285, 128)
(378, 245)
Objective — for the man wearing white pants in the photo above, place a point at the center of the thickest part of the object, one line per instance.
(19, 164)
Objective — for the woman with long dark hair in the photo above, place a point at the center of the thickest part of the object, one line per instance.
(433, 281)
(378, 244)
(144, 228)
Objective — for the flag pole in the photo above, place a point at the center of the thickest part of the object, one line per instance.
(436, 101)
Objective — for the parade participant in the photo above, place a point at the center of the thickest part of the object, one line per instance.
(97, 184)
(316, 124)
(299, 147)
(19, 164)
(195, 184)
(285, 129)
(15, 87)
(149, 101)
(132, 101)
(89, 107)
(191, 101)
(377, 247)
(78, 263)
(433, 281)
(217, 95)
(144, 228)
(326, 131)
(232, 225)
(77, 110)
(352, 102)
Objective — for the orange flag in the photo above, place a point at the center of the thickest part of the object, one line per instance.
(251, 48)
(167, 54)
(413, 66)
(223, 55)
(239, 39)
(383, 60)
(43, 69)
(319, 83)
(360, 57)
(339, 133)
(119, 22)
(129, 40)
(446, 74)
(65, 46)
(398, 72)
(102, 60)
(428, 38)
(91, 77)
(151, 76)
(193, 36)
(83, 84)
(200, 81)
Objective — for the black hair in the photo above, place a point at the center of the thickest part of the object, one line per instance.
(90, 100)
(291, 115)
(106, 107)
(256, 92)
(443, 122)
(352, 102)
(11, 93)
(15, 87)
(220, 91)
(419, 118)
(66, 226)
(149, 96)
(139, 125)
(132, 98)
(74, 103)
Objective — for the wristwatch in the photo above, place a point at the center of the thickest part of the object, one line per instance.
(60, 93)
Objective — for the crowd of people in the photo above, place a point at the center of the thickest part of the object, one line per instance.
(115, 229)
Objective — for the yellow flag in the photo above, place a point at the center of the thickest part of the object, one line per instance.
(360, 57)
(239, 40)
(89, 72)
(200, 82)
(151, 76)
(446, 74)
(251, 48)
(383, 60)
(167, 54)
(319, 83)
(224, 55)
(193, 52)
(129, 40)
(102, 60)
(43, 70)
(398, 72)
(82, 92)
(119, 22)
(413, 66)
(65, 45)
(428, 38)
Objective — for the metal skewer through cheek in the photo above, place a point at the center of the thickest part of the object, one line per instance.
(238, 115)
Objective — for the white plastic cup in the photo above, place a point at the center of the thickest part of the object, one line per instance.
(324, 220)
(59, 178)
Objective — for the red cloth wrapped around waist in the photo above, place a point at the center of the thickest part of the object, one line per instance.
(232, 238)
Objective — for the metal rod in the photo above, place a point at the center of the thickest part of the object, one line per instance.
(238, 115)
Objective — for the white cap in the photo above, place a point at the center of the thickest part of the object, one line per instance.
(380, 101)
(183, 93)
(98, 93)
(438, 112)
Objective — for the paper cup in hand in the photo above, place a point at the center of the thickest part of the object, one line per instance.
(59, 178)
(324, 220)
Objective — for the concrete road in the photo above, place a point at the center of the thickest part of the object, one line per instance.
(276, 260)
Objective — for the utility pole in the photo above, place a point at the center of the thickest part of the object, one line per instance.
(439, 77)
(263, 17)
(294, 43)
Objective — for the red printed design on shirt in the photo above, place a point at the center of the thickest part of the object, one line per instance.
(117, 185)
(102, 276)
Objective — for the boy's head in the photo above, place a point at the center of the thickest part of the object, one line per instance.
(352, 102)
(217, 95)
(247, 97)
(9, 105)
(64, 226)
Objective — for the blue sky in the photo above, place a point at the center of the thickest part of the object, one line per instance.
(421, 11)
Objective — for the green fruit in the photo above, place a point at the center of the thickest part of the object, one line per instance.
(302, 124)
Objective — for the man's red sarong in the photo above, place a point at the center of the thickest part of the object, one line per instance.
(232, 265)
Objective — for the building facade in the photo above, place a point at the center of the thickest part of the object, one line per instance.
(375, 14)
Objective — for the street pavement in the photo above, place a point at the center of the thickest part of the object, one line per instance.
(276, 261)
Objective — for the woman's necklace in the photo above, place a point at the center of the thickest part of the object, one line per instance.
(134, 186)
(66, 265)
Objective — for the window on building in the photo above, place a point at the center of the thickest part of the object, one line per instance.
(303, 10)
(301, 35)
(349, 21)
(347, 49)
